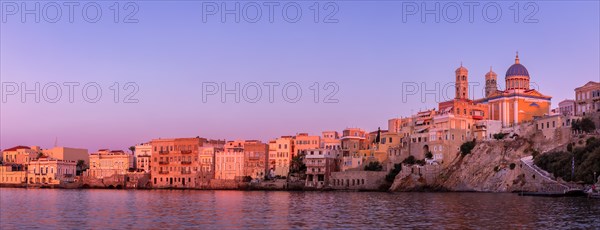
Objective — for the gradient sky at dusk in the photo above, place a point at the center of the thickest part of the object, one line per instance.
(369, 53)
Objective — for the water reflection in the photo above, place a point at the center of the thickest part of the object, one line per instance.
(177, 209)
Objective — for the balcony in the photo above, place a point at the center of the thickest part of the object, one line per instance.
(163, 162)
(186, 172)
(68, 175)
(186, 162)
(186, 151)
(163, 172)
(163, 152)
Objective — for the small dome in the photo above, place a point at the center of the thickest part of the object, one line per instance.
(517, 69)
(461, 69)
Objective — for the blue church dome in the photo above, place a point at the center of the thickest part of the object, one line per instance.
(517, 69)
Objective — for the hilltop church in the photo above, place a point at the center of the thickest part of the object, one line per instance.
(516, 104)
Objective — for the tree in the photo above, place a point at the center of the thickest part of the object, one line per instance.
(585, 125)
(499, 136)
(587, 161)
(410, 160)
(467, 147)
(429, 155)
(390, 177)
(298, 165)
(374, 166)
(81, 166)
(132, 149)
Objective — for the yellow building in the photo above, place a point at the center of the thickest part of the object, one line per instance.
(9, 174)
(51, 171)
(18, 155)
(518, 103)
(280, 155)
(304, 142)
(106, 163)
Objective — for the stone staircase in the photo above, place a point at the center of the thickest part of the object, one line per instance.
(549, 183)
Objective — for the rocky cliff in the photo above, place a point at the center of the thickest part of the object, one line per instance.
(492, 166)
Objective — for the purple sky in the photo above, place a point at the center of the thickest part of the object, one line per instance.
(368, 54)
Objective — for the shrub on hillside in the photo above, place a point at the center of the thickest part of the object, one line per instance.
(374, 166)
(587, 161)
(429, 155)
(410, 160)
(585, 125)
(499, 136)
(390, 177)
(467, 147)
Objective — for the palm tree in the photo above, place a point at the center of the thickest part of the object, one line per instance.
(132, 149)
(81, 166)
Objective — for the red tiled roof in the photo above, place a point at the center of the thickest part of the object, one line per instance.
(17, 148)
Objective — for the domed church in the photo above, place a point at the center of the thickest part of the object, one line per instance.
(518, 102)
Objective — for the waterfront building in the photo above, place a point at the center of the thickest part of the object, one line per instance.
(587, 98)
(106, 163)
(518, 102)
(206, 161)
(357, 180)
(45, 170)
(320, 163)
(387, 140)
(331, 140)
(18, 155)
(12, 174)
(143, 150)
(330, 135)
(142, 155)
(353, 141)
(229, 164)
(280, 156)
(175, 162)
(418, 133)
(447, 133)
(256, 158)
(303, 142)
(142, 163)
